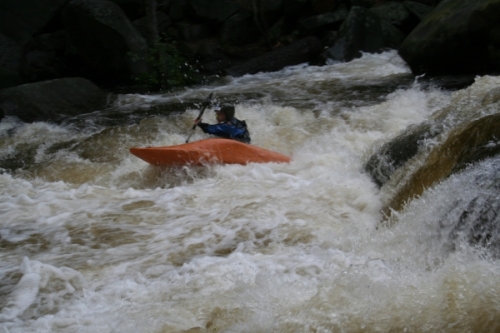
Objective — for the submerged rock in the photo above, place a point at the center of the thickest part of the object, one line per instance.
(475, 217)
(466, 145)
(397, 152)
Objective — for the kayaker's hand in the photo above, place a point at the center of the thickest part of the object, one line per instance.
(197, 121)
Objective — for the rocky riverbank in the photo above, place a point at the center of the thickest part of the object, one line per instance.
(109, 43)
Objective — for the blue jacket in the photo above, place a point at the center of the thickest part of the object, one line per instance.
(234, 129)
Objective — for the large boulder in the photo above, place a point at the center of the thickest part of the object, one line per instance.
(104, 37)
(241, 22)
(364, 31)
(397, 14)
(304, 50)
(398, 151)
(464, 146)
(418, 9)
(214, 11)
(134, 9)
(240, 29)
(10, 61)
(52, 100)
(454, 39)
(19, 21)
(30, 16)
(324, 6)
(327, 21)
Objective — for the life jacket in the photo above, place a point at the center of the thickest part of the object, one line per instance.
(241, 124)
(234, 129)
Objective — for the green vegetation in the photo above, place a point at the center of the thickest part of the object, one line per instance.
(167, 68)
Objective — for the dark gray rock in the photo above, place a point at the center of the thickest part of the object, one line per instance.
(453, 38)
(19, 20)
(52, 100)
(397, 152)
(178, 10)
(191, 32)
(304, 50)
(240, 29)
(393, 12)
(327, 21)
(216, 11)
(418, 9)
(104, 37)
(294, 10)
(364, 31)
(29, 16)
(162, 20)
(134, 9)
(10, 62)
(9, 78)
(494, 49)
(51, 41)
(324, 6)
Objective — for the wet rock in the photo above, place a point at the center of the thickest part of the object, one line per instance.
(10, 62)
(52, 100)
(178, 10)
(448, 82)
(295, 53)
(294, 10)
(465, 146)
(40, 65)
(418, 9)
(322, 22)
(134, 9)
(453, 38)
(19, 20)
(141, 24)
(324, 6)
(29, 16)
(397, 152)
(51, 41)
(394, 12)
(494, 49)
(215, 11)
(106, 40)
(477, 218)
(364, 31)
(399, 15)
(239, 30)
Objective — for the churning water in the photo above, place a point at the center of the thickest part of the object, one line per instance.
(95, 240)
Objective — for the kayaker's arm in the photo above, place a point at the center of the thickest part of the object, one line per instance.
(203, 126)
(204, 105)
(223, 130)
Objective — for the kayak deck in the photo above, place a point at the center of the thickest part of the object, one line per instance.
(208, 151)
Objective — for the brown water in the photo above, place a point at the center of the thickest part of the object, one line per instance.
(95, 240)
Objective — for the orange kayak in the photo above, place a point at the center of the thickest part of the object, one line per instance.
(208, 151)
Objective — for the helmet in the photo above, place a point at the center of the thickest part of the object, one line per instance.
(227, 110)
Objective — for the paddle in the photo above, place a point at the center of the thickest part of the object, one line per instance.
(204, 105)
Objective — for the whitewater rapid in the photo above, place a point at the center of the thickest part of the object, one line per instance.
(95, 240)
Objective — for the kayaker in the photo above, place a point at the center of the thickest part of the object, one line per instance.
(228, 126)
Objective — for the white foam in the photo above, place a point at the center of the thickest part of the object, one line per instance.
(261, 247)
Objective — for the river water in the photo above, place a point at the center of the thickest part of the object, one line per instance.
(94, 239)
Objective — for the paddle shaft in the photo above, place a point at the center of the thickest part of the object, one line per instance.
(204, 105)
